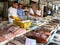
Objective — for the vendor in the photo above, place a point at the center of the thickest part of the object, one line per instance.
(31, 12)
(38, 12)
(12, 11)
(20, 11)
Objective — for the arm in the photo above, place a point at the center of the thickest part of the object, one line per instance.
(31, 12)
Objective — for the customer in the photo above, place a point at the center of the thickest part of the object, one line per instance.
(49, 12)
(38, 12)
(31, 12)
(20, 11)
(12, 11)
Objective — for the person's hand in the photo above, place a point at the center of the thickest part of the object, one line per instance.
(11, 17)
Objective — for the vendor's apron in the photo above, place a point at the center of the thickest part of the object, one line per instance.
(11, 20)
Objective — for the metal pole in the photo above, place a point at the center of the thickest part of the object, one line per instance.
(52, 8)
(30, 1)
(38, 2)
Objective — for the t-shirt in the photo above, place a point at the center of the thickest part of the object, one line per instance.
(38, 12)
(12, 12)
(20, 13)
(30, 11)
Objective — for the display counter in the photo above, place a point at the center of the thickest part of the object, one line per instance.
(11, 36)
(9, 32)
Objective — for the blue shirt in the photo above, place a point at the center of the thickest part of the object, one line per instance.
(20, 13)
